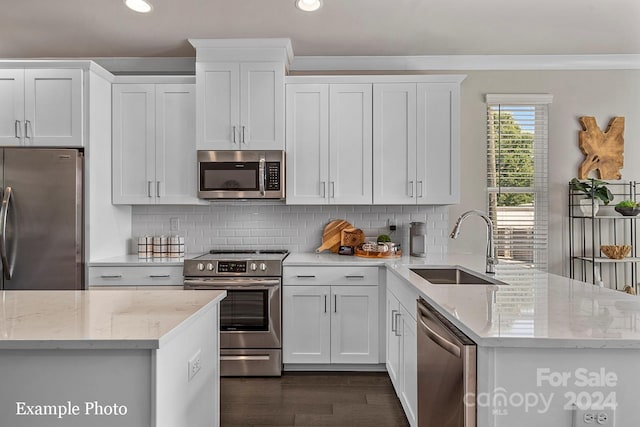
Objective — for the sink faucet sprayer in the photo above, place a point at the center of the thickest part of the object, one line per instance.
(492, 260)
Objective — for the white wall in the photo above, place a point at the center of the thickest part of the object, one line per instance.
(274, 225)
(602, 94)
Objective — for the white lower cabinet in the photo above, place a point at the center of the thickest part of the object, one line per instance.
(402, 351)
(331, 323)
(141, 277)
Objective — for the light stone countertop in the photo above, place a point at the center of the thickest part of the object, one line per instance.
(535, 309)
(116, 319)
(132, 260)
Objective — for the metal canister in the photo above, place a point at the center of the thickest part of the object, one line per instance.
(145, 247)
(176, 247)
(160, 247)
(418, 239)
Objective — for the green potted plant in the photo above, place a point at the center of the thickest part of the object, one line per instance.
(594, 190)
(628, 208)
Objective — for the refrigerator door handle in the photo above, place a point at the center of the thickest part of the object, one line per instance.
(7, 265)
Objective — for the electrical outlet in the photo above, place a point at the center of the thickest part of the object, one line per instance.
(174, 224)
(601, 417)
(194, 365)
(393, 224)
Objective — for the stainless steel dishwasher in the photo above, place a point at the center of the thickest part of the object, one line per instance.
(446, 372)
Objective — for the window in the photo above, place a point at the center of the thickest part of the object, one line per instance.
(517, 147)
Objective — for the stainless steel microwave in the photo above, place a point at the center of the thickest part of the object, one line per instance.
(246, 174)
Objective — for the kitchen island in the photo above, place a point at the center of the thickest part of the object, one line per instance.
(126, 358)
(545, 342)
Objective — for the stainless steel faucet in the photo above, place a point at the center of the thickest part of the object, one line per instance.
(492, 260)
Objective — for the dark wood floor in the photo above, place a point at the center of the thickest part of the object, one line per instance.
(311, 399)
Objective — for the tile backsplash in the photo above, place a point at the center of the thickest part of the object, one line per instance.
(275, 225)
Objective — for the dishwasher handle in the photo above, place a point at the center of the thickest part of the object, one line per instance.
(423, 318)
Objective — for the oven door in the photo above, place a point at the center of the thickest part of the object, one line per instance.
(250, 315)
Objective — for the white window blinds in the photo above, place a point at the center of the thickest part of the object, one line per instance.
(517, 147)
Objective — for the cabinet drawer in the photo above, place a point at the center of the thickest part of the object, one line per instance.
(325, 275)
(135, 276)
(406, 294)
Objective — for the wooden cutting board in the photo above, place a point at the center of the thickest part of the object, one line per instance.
(332, 235)
(352, 237)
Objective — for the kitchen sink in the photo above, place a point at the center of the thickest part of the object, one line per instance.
(453, 276)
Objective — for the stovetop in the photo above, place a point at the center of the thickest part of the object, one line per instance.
(229, 263)
(248, 255)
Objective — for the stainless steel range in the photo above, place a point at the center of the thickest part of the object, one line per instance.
(251, 314)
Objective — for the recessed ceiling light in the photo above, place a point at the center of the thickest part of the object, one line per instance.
(138, 5)
(308, 5)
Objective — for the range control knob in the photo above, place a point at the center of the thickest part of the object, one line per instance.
(210, 267)
(263, 266)
(200, 266)
(253, 266)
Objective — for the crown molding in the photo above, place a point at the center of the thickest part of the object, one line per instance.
(466, 62)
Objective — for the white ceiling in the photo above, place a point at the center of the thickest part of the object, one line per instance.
(106, 28)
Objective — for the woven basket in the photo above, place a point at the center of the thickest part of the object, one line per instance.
(616, 251)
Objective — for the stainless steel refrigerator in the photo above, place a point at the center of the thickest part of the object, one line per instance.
(41, 219)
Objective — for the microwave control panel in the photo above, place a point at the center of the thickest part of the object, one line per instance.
(273, 176)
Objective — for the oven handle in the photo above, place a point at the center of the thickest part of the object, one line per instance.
(233, 283)
(243, 357)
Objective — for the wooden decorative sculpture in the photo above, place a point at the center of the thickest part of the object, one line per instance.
(603, 150)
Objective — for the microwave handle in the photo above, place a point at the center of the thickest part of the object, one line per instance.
(261, 175)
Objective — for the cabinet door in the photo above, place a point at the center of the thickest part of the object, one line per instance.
(438, 146)
(350, 144)
(394, 144)
(133, 144)
(262, 106)
(218, 106)
(307, 144)
(306, 333)
(175, 144)
(11, 107)
(354, 324)
(409, 368)
(394, 341)
(53, 107)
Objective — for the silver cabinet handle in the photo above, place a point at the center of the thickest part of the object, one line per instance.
(325, 303)
(419, 188)
(234, 135)
(397, 331)
(333, 189)
(111, 276)
(18, 130)
(7, 264)
(244, 141)
(310, 276)
(149, 184)
(158, 188)
(354, 277)
(335, 303)
(411, 189)
(27, 126)
(324, 189)
(159, 276)
(393, 321)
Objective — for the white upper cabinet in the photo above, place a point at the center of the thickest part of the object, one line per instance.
(438, 147)
(240, 87)
(41, 107)
(329, 143)
(394, 143)
(416, 142)
(240, 106)
(154, 156)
